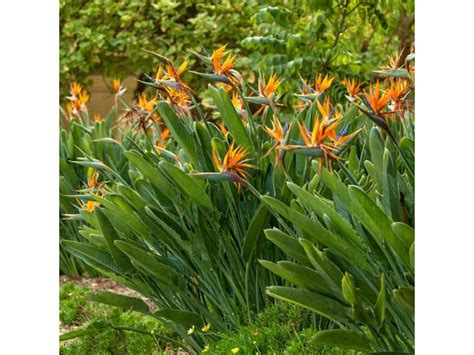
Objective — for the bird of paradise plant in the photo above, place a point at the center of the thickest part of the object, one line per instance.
(308, 93)
(396, 92)
(322, 142)
(78, 100)
(322, 84)
(376, 99)
(353, 88)
(170, 76)
(266, 92)
(117, 87)
(393, 62)
(221, 65)
(234, 163)
(193, 254)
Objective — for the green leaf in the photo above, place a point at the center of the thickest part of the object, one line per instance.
(396, 73)
(316, 230)
(178, 130)
(93, 256)
(285, 274)
(376, 221)
(111, 236)
(349, 290)
(91, 164)
(254, 230)
(380, 304)
(187, 184)
(309, 279)
(121, 301)
(320, 304)
(92, 328)
(288, 244)
(229, 116)
(405, 296)
(323, 265)
(182, 317)
(152, 173)
(150, 264)
(321, 208)
(342, 338)
(404, 232)
(391, 192)
(376, 152)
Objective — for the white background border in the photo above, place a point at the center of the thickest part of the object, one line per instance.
(29, 198)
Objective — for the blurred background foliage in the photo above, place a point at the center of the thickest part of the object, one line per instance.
(344, 37)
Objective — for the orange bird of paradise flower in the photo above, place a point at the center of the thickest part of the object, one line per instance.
(75, 89)
(164, 135)
(376, 99)
(118, 87)
(267, 89)
(77, 100)
(217, 65)
(325, 108)
(277, 133)
(97, 117)
(322, 84)
(234, 163)
(352, 87)
(171, 76)
(394, 62)
(397, 90)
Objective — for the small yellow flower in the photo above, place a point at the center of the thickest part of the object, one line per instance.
(191, 330)
(206, 328)
(206, 349)
(235, 350)
(97, 117)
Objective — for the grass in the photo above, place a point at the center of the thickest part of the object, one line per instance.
(77, 311)
(280, 329)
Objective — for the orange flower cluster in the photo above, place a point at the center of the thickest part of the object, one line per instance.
(77, 100)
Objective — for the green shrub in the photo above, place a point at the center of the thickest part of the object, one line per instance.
(185, 228)
(345, 38)
(108, 37)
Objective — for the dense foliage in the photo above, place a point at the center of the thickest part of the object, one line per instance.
(344, 37)
(108, 37)
(177, 209)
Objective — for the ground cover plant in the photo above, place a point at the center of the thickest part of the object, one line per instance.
(181, 218)
(128, 332)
